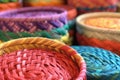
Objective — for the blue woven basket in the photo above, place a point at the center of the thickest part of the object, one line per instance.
(101, 64)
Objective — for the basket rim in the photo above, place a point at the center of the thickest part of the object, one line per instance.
(80, 18)
(60, 46)
(60, 12)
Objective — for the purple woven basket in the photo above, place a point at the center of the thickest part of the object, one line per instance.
(32, 19)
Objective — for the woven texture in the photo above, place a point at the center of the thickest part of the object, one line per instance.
(97, 36)
(32, 19)
(106, 44)
(60, 34)
(85, 6)
(101, 64)
(40, 58)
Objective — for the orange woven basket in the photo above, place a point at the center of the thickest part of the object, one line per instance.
(40, 59)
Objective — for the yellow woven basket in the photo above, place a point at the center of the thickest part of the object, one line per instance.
(43, 44)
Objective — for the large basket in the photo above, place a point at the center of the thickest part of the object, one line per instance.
(95, 36)
(26, 65)
(101, 64)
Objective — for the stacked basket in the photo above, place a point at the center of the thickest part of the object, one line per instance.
(40, 59)
(37, 21)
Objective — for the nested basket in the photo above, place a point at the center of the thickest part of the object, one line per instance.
(96, 36)
(40, 59)
(38, 21)
(85, 6)
(101, 64)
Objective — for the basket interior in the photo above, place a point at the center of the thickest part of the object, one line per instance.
(56, 60)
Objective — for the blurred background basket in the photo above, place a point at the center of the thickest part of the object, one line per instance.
(107, 38)
(9, 4)
(101, 64)
(37, 21)
(23, 60)
(84, 6)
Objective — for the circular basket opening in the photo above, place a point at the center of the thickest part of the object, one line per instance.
(40, 58)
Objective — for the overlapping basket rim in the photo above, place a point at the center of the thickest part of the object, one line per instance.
(39, 40)
(61, 11)
(79, 21)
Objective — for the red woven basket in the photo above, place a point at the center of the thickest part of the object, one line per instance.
(106, 38)
(40, 59)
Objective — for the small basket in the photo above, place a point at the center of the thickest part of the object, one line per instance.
(101, 64)
(99, 37)
(32, 65)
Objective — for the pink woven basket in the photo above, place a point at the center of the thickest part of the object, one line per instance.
(40, 59)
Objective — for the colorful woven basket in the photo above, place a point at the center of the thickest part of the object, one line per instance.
(39, 21)
(101, 64)
(93, 5)
(96, 36)
(40, 59)
(43, 2)
(32, 19)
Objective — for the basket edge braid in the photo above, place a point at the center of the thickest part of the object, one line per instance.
(62, 12)
(34, 42)
(86, 30)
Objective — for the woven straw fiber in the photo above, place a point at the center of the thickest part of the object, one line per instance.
(32, 65)
(32, 19)
(101, 64)
(85, 6)
(100, 37)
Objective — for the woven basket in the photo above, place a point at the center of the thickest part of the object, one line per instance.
(101, 64)
(85, 6)
(21, 64)
(32, 19)
(100, 37)
(28, 22)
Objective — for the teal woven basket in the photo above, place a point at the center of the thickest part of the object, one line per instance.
(101, 64)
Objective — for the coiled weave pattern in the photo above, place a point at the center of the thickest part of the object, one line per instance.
(23, 60)
(101, 64)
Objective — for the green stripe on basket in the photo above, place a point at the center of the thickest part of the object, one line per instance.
(53, 34)
(3, 36)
